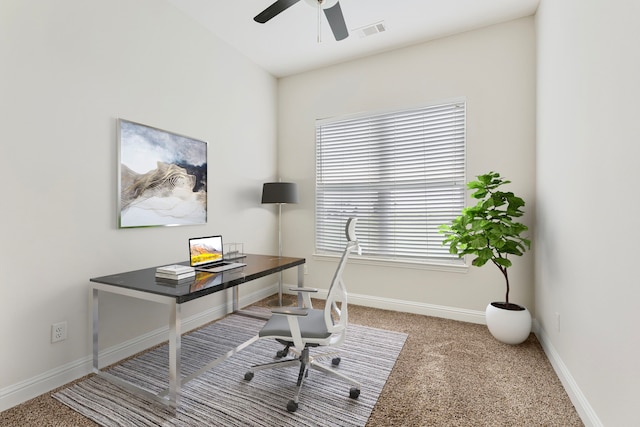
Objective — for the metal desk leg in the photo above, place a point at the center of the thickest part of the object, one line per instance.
(300, 283)
(235, 306)
(96, 368)
(301, 275)
(175, 353)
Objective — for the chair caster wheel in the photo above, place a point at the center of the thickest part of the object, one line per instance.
(248, 376)
(335, 361)
(354, 392)
(282, 353)
(292, 406)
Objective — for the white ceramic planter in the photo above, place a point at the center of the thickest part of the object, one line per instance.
(508, 326)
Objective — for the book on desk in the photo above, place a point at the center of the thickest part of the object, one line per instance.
(175, 274)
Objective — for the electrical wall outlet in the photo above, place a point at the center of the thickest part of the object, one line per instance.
(59, 331)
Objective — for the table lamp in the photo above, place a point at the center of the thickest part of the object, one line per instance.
(280, 193)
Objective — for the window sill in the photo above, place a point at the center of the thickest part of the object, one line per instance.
(453, 266)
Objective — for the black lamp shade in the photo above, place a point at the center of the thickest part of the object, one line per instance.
(280, 192)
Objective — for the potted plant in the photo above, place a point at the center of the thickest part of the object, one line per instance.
(490, 232)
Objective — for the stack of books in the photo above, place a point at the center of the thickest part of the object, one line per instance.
(175, 274)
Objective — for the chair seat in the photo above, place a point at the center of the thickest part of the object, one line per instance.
(311, 326)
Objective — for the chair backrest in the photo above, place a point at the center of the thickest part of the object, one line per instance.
(336, 308)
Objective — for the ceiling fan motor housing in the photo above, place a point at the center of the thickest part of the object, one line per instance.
(325, 4)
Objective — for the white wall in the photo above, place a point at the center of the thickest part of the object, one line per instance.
(68, 69)
(494, 68)
(587, 204)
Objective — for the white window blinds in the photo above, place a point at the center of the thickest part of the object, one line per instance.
(401, 173)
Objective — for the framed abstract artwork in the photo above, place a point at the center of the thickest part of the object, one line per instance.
(162, 177)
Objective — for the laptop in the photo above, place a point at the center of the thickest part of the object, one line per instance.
(206, 254)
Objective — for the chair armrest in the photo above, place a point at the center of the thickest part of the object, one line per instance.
(313, 290)
(290, 311)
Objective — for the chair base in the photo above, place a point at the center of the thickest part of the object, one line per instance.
(306, 362)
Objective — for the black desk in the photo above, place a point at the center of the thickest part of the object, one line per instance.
(142, 284)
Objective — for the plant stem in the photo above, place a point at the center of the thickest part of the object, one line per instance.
(506, 277)
(503, 270)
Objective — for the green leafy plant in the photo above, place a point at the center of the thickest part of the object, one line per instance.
(488, 230)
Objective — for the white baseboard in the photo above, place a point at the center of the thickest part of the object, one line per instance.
(453, 313)
(28, 389)
(579, 400)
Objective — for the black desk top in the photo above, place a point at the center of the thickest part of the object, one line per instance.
(203, 283)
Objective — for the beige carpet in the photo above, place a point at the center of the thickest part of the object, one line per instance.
(448, 374)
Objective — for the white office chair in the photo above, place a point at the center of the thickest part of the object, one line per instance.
(305, 327)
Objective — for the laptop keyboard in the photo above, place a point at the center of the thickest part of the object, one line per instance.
(213, 265)
(217, 268)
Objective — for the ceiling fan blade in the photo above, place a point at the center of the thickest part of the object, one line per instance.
(336, 22)
(273, 10)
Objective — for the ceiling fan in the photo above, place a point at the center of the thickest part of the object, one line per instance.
(331, 8)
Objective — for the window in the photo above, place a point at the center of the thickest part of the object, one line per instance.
(401, 173)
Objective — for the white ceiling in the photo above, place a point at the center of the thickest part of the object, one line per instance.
(287, 44)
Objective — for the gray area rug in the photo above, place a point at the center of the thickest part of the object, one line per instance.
(221, 396)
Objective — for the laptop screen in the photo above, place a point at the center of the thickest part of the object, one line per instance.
(204, 250)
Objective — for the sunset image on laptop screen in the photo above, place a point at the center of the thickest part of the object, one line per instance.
(205, 250)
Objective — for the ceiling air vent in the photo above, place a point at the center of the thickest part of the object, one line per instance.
(370, 30)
